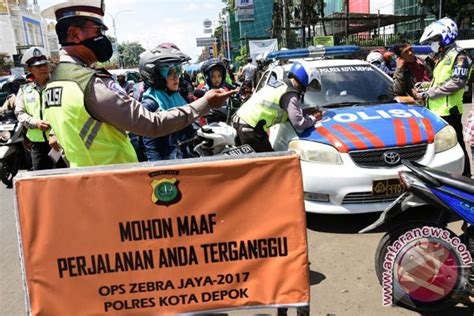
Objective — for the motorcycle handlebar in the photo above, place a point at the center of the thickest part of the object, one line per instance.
(189, 141)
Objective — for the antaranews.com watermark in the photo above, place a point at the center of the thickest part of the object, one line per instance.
(421, 259)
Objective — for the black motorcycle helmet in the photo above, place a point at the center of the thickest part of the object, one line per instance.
(152, 61)
(13, 83)
(210, 65)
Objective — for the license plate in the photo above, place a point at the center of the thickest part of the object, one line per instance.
(237, 151)
(7, 127)
(387, 187)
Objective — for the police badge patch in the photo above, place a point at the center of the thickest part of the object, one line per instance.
(165, 191)
(37, 53)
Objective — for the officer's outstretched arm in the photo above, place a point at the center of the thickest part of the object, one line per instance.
(127, 114)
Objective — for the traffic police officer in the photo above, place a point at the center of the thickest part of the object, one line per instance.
(450, 75)
(28, 107)
(89, 117)
(275, 103)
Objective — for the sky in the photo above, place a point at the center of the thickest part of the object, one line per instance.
(152, 22)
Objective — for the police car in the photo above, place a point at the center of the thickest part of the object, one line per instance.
(351, 158)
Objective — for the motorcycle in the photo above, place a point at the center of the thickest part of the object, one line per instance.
(217, 138)
(420, 263)
(11, 147)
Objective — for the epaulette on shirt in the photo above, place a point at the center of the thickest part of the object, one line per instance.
(102, 73)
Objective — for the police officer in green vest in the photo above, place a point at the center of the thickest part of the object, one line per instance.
(28, 107)
(450, 76)
(87, 109)
(275, 103)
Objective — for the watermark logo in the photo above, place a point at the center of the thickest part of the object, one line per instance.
(423, 265)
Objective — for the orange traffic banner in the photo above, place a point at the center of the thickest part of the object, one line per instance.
(156, 239)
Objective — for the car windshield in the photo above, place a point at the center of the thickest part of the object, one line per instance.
(347, 86)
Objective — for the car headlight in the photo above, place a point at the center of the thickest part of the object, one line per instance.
(445, 139)
(315, 152)
(5, 135)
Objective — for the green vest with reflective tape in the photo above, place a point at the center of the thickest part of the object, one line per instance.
(32, 102)
(86, 141)
(443, 72)
(265, 105)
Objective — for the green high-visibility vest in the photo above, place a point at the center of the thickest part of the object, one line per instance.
(443, 72)
(265, 105)
(86, 141)
(32, 102)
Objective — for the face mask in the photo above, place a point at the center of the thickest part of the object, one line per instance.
(99, 45)
(435, 46)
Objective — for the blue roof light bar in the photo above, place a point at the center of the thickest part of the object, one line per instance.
(320, 51)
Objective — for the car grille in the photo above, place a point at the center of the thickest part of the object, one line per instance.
(366, 198)
(374, 157)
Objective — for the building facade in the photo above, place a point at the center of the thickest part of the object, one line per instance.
(22, 27)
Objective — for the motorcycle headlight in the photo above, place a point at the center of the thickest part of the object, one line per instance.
(315, 152)
(5, 135)
(445, 139)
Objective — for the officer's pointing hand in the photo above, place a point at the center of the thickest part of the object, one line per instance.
(216, 97)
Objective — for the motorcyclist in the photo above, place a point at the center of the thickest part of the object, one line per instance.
(274, 103)
(230, 77)
(389, 61)
(450, 75)
(160, 69)
(186, 87)
(127, 86)
(11, 86)
(376, 59)
(214, 72)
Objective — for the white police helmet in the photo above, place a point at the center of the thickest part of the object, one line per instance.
(35, 56)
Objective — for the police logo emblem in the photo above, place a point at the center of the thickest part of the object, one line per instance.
(165, 191)
(37, 53)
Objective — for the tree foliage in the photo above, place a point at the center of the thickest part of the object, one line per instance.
(130, 53)
(458, 10)
(5, 63)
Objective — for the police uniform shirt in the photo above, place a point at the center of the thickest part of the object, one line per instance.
(459, 78)
(105, 104)
(20, 111)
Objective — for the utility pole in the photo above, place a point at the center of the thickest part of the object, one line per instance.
(347, 22)
(115, 34)
(285, 23)
(226, 34)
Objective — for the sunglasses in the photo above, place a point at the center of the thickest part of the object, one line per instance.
(100, 28)
(171, 70)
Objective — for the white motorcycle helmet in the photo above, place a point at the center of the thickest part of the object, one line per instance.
(374, 57)
(446, 29)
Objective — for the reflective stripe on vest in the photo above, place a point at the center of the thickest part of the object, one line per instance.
(32, 102)
(265, 105)
(442, 73)
(86, 141)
